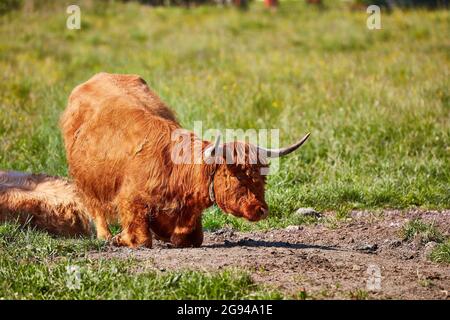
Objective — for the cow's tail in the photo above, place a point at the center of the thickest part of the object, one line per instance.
(43, 202)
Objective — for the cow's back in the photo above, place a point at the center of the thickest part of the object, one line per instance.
(90, 96)
(108, 120)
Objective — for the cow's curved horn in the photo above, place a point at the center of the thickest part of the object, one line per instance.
(275, 153)
(213, 149)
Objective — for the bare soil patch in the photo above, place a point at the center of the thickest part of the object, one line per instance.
(327, 260)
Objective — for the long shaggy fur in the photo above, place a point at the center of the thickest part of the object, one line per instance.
(45, 202)
(118, 140)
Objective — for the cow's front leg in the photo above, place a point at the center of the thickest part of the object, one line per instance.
(98, 215)
(101, 227)
(188, 234)
(135, 226)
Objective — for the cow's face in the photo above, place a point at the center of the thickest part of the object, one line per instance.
(239, 181)
(239, 184)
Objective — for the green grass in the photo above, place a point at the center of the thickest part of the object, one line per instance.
(358, 294)
(377, 102)
(425, 231)
(34, 266)
(441, 253)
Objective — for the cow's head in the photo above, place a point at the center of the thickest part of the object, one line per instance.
(239, 179)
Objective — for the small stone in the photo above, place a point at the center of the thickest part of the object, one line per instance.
(356, 267)
(227, 232)
(394, 224)
(293, 228)
(369, 248)
(308, 212)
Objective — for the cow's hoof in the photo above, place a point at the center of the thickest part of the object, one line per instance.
(125, 241)
(187, 241)
(116, 241)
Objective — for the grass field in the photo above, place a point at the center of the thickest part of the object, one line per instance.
(34, 266)
(376, 102)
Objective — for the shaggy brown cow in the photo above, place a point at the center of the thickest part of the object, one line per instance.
(123, 157)
(44, 202)
(119, 141)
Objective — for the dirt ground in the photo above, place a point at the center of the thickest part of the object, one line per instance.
(361, 257)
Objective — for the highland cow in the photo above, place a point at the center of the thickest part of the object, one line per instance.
(119, 140)
(43, 202)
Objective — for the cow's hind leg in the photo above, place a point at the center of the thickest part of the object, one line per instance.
(135, 225)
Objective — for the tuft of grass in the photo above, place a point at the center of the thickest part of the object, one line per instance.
(441, 253)
(358, 294)
(425, 231)
(302, 295)
(426, 283)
